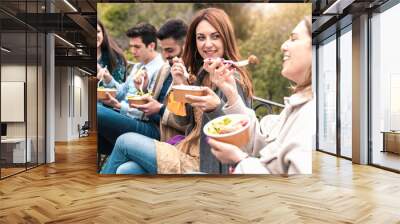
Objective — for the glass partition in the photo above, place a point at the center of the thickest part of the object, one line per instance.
(327, 95)
(13, 102)
(22, 89)
(385, 89)
(346, 92)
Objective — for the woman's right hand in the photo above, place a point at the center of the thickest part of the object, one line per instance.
(226, 153)
(222, 75)
(98, 67)
(178, 70)
(207, 103)
(104, 74)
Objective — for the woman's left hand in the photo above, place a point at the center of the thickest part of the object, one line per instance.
(209, 102)
(112, 101)
(226, 153)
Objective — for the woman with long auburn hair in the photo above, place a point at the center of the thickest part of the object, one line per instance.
(194, 52)
(210, 35)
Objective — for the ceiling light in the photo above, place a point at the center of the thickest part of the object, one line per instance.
(79, 51)
(64, 40)
(70, 5)
(5, 49)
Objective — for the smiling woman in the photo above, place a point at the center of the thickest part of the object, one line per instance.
(208, 41)
(297, 56)
(210, 34)
(280, 144)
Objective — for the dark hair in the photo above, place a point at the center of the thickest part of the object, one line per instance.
(221, 22)
(174, 28)
(145, 31)
(114, 52)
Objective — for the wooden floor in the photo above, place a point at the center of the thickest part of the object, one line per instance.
(10, 171)
(70, 191)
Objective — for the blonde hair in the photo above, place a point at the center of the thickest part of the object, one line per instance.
(307, 82)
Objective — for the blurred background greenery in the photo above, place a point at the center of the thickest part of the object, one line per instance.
(260, 29)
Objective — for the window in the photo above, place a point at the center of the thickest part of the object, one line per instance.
(385, 89)
(327, 95)
(346, 92)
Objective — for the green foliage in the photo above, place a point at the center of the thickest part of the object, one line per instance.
(119, 17)
(238, 13)
(260, 30)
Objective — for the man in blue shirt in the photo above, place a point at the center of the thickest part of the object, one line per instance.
(144, 119)
(143, 45)
(172, 38)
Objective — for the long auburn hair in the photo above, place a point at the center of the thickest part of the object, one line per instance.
(307, 83)
(114, 52)
(221, 22)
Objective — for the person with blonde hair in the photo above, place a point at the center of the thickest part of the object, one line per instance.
(280, 144)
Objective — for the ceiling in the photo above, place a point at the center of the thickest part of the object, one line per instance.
(330, 15)
(23, 21)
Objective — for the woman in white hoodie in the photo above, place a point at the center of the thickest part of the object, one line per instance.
(279, 144)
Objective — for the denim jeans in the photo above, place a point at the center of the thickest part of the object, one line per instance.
(133, 154)
(130, 167)
(112, 124)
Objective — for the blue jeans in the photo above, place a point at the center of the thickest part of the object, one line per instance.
(112, 124)
(130, 167)
(133, 154)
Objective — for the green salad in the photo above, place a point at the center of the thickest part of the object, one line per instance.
(226, 125)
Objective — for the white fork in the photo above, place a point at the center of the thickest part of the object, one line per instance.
(141, 84)
(238, 63)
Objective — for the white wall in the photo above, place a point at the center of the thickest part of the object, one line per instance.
(50, 96)
(61, 103)
(34, 124)
(16, 73)
(71, 94)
